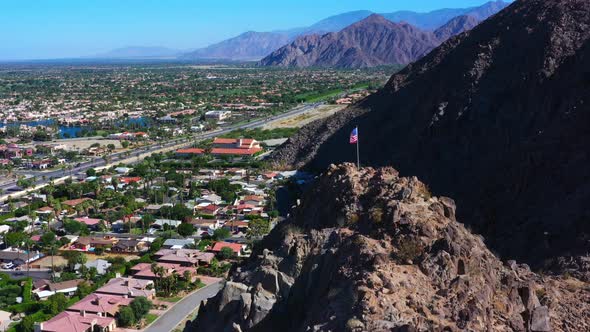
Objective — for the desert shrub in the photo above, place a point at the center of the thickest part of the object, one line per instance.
(409, 250)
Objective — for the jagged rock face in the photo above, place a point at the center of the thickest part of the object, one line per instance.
(370, 251)
(497, 118)
(371, 42)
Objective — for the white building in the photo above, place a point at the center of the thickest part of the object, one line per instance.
(217, 115)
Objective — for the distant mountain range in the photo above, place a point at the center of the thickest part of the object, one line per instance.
(371, 42)
(247, 46)
(254, 45)
(140, 52)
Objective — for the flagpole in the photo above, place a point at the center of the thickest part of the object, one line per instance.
(358, 157)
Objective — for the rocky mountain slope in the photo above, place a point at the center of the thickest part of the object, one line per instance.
(368, 250)
(456, 26)
(371, 42)
(256, 45)
(499, 119)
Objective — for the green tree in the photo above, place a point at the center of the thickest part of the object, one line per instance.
(146, 221)
(226, 253)
(15, 239)
(221, 234)
(48, 239)
(125, 317)
(258, 227)
(74, 257)
(186, 229)
(140, 306)
(27, 324)
(56, 303)
(84, 289)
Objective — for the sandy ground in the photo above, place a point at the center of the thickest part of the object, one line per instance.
(303, 119)
(84, 143)
(92, 257)
(45, 262)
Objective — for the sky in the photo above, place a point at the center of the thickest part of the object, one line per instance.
(47, 29)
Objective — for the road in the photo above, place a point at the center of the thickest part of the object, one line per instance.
(35, 274)
(45, 177)
(178, 313)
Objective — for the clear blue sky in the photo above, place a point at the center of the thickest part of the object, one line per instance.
(43, 29)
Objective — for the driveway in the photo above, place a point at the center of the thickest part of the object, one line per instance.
(178, 313)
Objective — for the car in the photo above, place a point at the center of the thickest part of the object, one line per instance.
(8, 265)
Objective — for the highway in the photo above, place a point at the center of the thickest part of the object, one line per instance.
(43, 178)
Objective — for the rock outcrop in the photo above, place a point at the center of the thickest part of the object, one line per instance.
(368, 250)
(497, 118)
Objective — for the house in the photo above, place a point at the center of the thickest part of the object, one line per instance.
(45, 290)
(128, 287)
(155, 208)
(235, 247)
(235, 143)
(253, 200)
(130, 246)
(123, 170)
(69, 321)
(236, 226)
(18, 257)
(177, 243)
(161, 222)
(86, 243)
(45, 212)
(217, 115)
(41, 164)
(211, 199)
(92, 223)
(207, 226)
(210, 209)
(4, 229)
(72, 204)
(144, 271)
(189, 152)
(127, 180)
(100, 265)
(101, 304)
(183, 257)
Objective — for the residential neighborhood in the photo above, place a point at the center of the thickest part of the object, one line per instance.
(85, 253)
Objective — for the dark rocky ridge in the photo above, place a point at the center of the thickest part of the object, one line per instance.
(370, 251)
(371, 42)
(499, 119)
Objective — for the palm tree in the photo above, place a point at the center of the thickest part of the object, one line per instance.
(28, 244)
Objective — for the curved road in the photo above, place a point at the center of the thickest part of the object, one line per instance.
(179, 312)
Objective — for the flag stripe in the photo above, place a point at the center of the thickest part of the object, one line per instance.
(354, 136)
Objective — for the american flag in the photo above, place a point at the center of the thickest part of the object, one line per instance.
(354, 136)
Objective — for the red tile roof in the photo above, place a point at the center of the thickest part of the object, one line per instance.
(68, 321)
(190, 151)
(88, 221)
(219, 140)
(129, 180)
(240, 152)
(236, 247)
